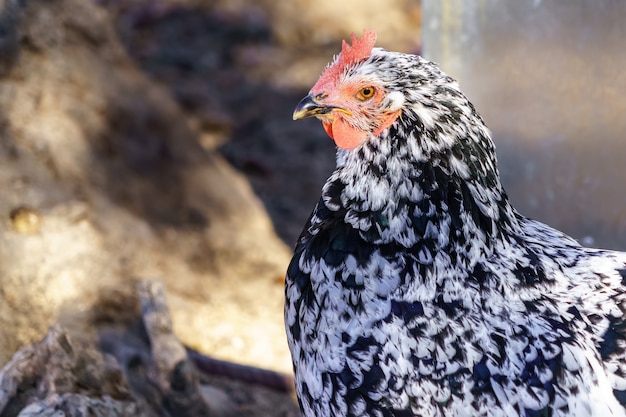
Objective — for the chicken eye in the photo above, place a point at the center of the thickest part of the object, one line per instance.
(365, 93)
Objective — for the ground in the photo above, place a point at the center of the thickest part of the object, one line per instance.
(239, 68)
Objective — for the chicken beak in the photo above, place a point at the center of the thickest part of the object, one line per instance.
(309, 107)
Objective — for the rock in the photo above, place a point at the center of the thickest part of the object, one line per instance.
(64, 376)
(104, 179)
(132, 366)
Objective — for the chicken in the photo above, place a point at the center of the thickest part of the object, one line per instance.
(416, 289)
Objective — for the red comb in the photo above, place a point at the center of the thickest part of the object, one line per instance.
(361, 48)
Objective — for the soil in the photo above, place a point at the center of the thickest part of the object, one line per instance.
(238, 74)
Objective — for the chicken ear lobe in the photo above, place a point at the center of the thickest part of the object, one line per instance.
(387, 122)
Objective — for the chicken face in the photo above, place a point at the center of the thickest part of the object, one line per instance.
(350, 98)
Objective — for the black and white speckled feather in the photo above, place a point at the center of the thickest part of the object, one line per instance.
(417, 290)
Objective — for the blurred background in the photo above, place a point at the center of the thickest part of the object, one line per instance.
(548, 78)
(153, 139)
(241, 65)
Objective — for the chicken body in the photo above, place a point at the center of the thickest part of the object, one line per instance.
(416, 289)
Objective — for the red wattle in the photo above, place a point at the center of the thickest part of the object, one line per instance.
(329, 129)
(344, 135)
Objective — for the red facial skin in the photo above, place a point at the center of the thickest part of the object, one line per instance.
(355, 116)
